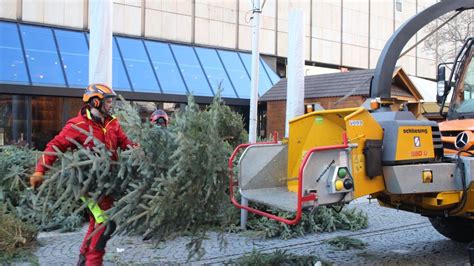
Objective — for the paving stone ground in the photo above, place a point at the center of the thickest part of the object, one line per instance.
(393, 237)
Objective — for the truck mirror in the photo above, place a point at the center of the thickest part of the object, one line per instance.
(441, 83)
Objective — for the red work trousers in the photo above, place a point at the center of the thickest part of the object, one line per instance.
(93, 248)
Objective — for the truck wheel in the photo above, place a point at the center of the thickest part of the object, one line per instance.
(455, 228)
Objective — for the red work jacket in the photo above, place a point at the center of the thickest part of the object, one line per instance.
(110, 133)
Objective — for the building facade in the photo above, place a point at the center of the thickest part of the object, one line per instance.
(165, 49)
(339, 33)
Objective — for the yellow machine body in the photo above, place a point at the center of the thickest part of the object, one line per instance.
(431, 201)
(326, 128)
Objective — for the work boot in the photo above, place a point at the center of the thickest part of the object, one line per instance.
(82, 260)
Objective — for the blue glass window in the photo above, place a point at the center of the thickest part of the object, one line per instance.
(12, 65)
(42, 56)
(75, 56)
(264, 83)
(138, 66)
(191, 70)
(237, 73)
(119, 76)
(165, 68)
(273, 76)
(215, 72)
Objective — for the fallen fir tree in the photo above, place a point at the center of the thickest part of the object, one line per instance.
(278, 257)
(321, 219)
(18, 199)
(19, 221)
(16, 163)
(182, 185)
(345, 243)
(16, 236)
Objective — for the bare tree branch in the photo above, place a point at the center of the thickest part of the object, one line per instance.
(445, 44)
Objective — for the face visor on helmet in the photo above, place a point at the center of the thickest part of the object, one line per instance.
(160, 118)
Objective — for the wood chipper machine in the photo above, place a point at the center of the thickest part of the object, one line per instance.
(336, 156)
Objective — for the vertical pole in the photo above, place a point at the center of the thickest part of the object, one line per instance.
(29, 120)
(19, 10)
(255, 71)
(256, 10)
(17, 118)
(100, 51)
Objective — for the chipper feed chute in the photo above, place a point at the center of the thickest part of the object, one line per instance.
(321, 163)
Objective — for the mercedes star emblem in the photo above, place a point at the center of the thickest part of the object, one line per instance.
(462, 139)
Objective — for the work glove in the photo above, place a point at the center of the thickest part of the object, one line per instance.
(137, 150)
(36, 179)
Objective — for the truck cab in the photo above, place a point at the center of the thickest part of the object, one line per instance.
(458, 129)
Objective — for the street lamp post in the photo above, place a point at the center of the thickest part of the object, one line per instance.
(256, 11)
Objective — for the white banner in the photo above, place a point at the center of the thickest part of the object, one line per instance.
(295, 71)
(100, 50)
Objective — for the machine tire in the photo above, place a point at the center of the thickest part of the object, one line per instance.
(454, 228)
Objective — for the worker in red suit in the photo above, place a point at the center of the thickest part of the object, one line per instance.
(96, 113)
(159, 118)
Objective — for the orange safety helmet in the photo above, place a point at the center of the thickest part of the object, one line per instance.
(96, 93)
(159, 117)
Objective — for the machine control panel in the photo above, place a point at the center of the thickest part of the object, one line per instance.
(340, 180)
